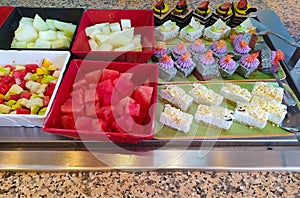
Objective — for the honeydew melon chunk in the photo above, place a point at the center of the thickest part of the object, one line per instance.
(39, 24)
(118, 40)
(61, 35)
(101, 38)
(48, 35)
(26, 33)
(94, 33)
(137, 40)
(106, 30)
(93, 44)
(42, 44)
(20, 44)
(104, 47)
(115, 27)
(128, 32)
(50, 24)
(34, 109)
(128, 47)
(89, 30)
(42, 88)
(69, 30)
(62, 43)
(22, 102)
(28, 76)
(15, 89)
(56, 74)
(100, 26)
(30, 45)
(26, 21)
(4, 108)
(125, 23)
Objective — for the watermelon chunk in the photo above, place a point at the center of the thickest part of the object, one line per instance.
(31, 68)
(46, 100)
(91, 96)
(69, 108)
(90, 109)
(50, 89)
(79, 84)
(3, 88)
(19, 74)
(105, 90)
(68, 121)
(143, 96)
(109, 74)
(93, 77)
(83, 123)
(22, 111)
(77, 96)
(26, 94)
(124, 87)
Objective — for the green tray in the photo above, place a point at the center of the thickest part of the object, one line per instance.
(257, 75)
(198, 131)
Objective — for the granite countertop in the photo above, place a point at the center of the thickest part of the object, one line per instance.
(158, 183)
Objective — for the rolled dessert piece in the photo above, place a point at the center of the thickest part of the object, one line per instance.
(176, 119)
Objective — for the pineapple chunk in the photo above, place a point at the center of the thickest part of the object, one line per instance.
(4, 108)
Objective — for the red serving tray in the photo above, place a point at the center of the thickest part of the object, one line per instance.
(142, 20)
(4, 13)
(142, 73)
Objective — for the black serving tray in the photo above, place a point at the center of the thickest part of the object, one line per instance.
(71, 15)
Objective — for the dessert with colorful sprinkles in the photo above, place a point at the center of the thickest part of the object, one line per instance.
(234, 93)
(167, 71)
(219, 117)
(227, 66)
(248, 64)
(206, 67)
(176, 119)
(185, 65)
(202, 95)
(176, 96)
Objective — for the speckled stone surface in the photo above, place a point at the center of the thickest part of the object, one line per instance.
(150, 184)
(155, 183)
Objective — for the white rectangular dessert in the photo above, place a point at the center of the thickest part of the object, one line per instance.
(176, 119)
(235, 93)
(267, 91)
(217, 31)
(167, 31)
(251, 115)
(176, 96)
(216, 116)
(277, 111)
(192, 31)
(202, 95)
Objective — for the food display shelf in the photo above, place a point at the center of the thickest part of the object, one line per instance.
(28, 149)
